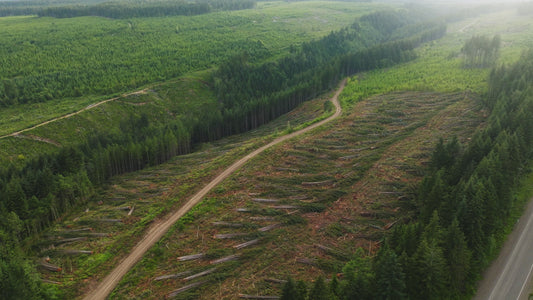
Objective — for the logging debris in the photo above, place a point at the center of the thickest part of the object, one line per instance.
(225, 259)
(184, 288)
(206, 272)
(246, 244)
(191, 257)
(172, 276)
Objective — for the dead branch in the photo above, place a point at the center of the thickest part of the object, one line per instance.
(279, 281)
(263, 200)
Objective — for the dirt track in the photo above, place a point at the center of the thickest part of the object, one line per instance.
(156, 231)
(72, 114)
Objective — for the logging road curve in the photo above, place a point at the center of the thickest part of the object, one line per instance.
(156, 232)
(90, 106)
(509, 276)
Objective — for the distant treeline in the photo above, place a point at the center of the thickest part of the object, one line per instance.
(122, 9)
(463, 205)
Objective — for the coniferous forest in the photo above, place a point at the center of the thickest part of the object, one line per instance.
(457, 214)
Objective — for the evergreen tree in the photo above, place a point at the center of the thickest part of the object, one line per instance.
(320, 291)
(390, 278)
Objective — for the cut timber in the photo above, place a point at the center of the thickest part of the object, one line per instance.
(123, 208)
(225, 259)
(244, 296)
(185, 288)
(131, 211)
(227, 224)
(74, 252)
(229, 235)
(269, 227)
(388, 226)
(284, 207)
(317, 183)
(263, 200)
(307, 261)
(206, 272)
(50, 267)
(77, 230)
(261, 218)
(50, 281)
(172, 276)
(243, 210)
(246, 244)
(71, 240)
(287, 169)
(191, 257)
(279, 281)
(109, 220)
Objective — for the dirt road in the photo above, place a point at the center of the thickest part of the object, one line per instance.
(156, 232)
(509, 276)
(72, 114)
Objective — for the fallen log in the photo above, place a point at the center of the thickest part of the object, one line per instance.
(71, 240)
(284, 207)
(109, 220)
(172, 276)
(228, 235)
(315, 183)
(244, 296)
(184, 288)
(123, 208)
(191, 257)
(227, 224)
(131, 211)
(243, 210)
(388, 226)
(307, 261)
(246, 244)
(279, 281)
(50, 267)
(77, 230)
(206, 272)
(50, 281)
(263, 200)
(74, 252)
(269, 227)
(261, 218)
(225, 259)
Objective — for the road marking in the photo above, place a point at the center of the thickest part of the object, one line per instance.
(525, 283)
(510, 258)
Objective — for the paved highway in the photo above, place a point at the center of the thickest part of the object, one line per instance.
(510, 275)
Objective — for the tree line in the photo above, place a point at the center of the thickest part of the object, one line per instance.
(120, 9)
(463, 204)
(481, 52)
(125, 10)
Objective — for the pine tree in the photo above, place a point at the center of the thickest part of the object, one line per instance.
(390, 278)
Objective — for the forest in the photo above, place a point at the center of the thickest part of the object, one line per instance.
(458, 206)
(462, 205)
(44, 188)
